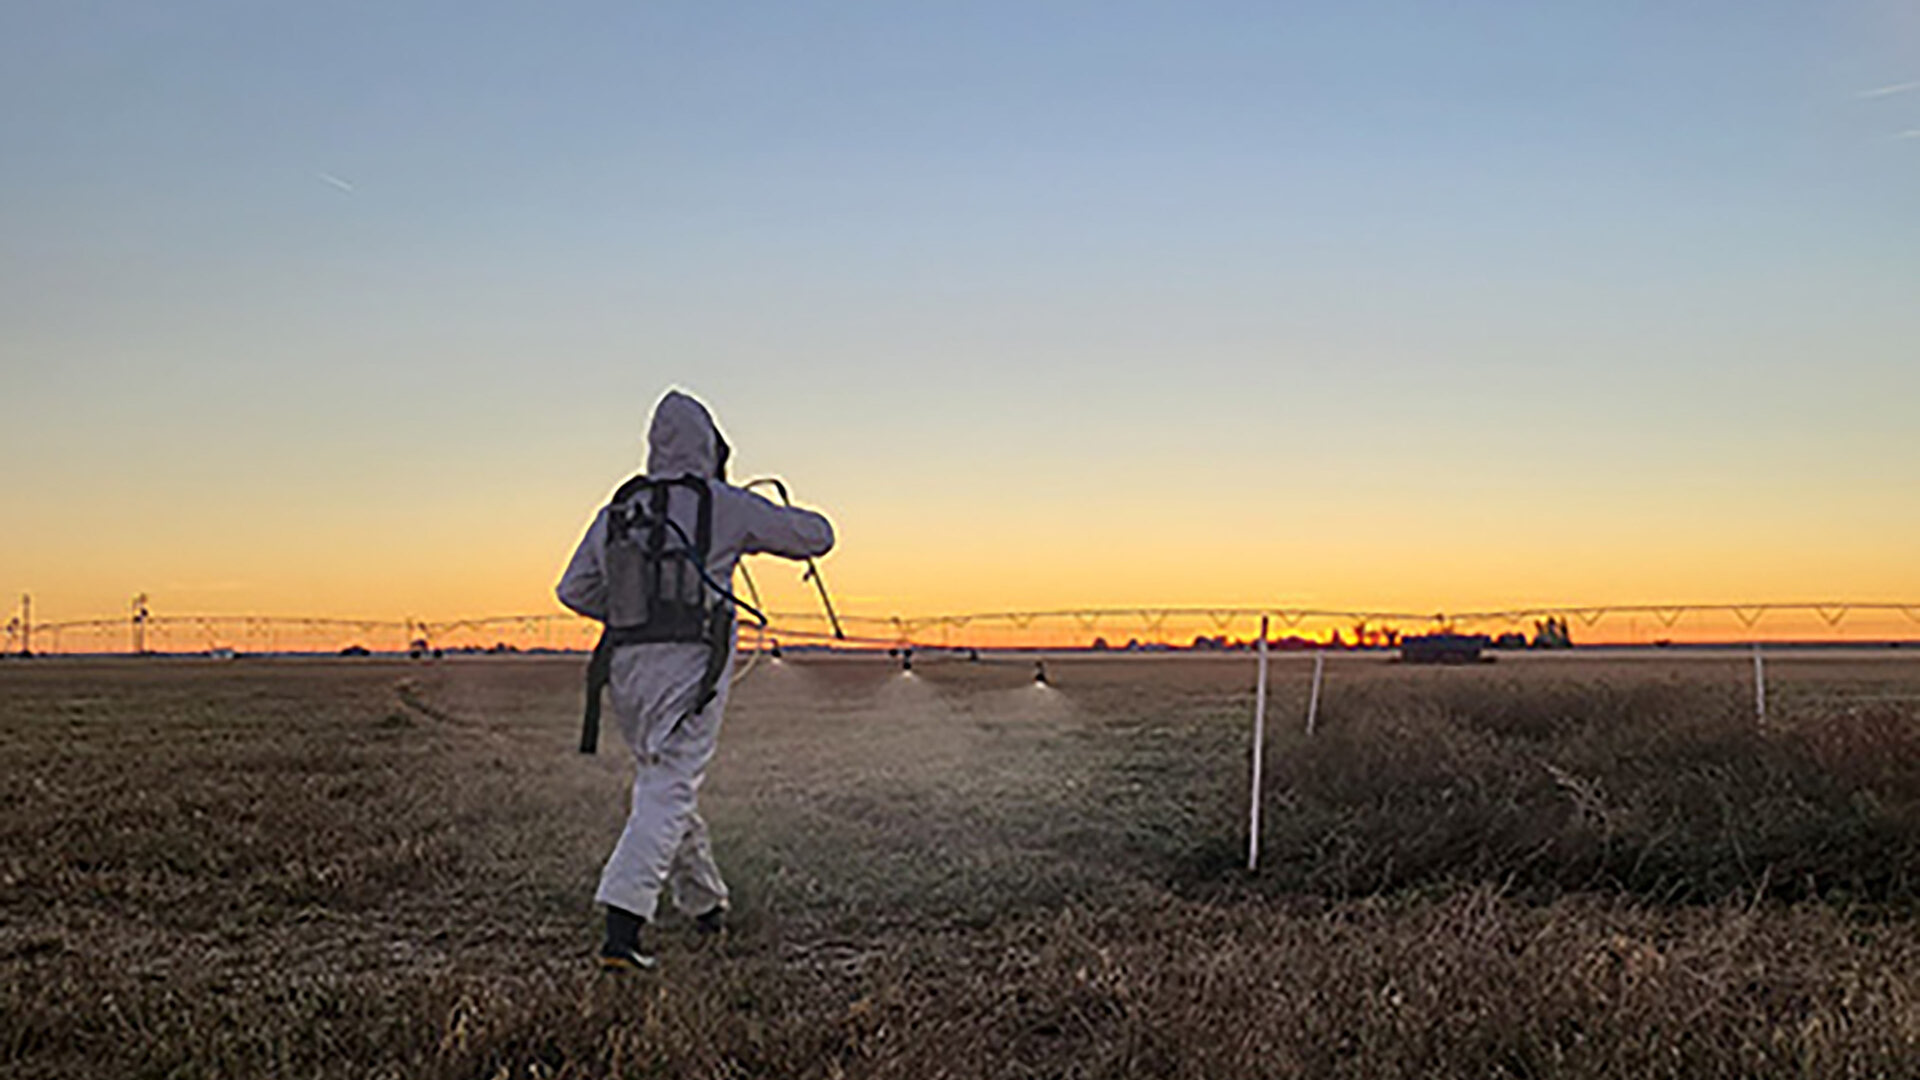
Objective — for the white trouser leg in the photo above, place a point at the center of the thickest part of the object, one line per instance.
(694, 877)
(638, 867)
(653, 686)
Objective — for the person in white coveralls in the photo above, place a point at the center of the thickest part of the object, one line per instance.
(654, 567)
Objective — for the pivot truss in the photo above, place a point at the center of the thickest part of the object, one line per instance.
(145, 630)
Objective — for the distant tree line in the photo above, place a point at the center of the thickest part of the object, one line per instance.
(1551, 632)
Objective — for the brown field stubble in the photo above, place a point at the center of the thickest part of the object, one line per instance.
(1578, 868)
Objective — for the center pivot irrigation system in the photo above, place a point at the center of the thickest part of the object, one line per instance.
(143, 630)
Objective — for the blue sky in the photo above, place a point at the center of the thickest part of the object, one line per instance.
(302, 275)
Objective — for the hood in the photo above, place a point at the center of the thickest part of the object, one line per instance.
(683, 440)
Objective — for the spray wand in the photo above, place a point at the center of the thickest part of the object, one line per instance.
(813, 569)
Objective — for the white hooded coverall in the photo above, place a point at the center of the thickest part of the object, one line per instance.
(653, 685)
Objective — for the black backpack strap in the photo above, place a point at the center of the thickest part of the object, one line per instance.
(657, 536)
(719, 651)
(600, 664)
(628, 490)
(599, 674)
(703, 527)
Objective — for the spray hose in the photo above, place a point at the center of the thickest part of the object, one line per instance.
(760, 617)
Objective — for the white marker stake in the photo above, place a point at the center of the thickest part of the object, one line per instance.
(1259, 743)
(1759, 685)
(1313, 699)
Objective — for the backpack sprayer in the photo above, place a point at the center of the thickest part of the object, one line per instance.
(660, 590)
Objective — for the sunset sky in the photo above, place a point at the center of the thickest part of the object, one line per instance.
(360, 308)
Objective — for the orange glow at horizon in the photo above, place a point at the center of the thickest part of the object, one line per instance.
(900, 566)
(961, 539)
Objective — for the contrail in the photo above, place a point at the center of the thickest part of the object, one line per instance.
(329, 178)
(1889, 91)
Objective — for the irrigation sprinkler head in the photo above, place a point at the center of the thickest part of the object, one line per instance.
(775, 651)
(906, 661)
(1040, 673)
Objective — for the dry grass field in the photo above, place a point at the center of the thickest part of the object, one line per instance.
(1545, 867)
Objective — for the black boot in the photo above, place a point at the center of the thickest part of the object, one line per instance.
(621, 951)
(711, 921)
